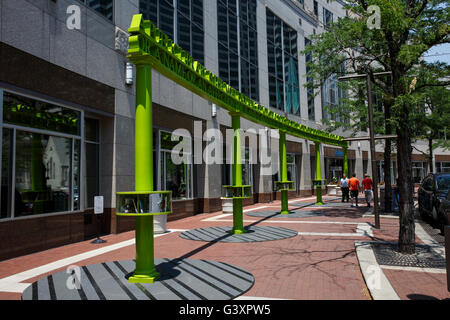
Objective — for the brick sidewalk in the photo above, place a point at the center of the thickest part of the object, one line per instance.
(319, 263)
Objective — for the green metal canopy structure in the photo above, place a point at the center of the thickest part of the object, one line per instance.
(150, 48)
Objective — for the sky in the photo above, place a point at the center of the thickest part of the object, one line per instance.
(438, 53)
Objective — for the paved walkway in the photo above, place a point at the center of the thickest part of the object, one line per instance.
(321, 262)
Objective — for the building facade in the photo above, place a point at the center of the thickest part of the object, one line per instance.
(67, 109)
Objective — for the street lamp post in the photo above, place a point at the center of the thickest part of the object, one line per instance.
(372, 139)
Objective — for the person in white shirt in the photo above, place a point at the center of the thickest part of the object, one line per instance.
(345, 188)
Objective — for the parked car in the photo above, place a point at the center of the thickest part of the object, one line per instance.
(444, 212)
(433, 197)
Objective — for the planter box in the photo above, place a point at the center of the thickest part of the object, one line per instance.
(334, 190)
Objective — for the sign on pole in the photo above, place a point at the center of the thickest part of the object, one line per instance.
(98, 205)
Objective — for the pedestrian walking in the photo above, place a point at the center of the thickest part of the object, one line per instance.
(367, 185)
(344, 188)
(354, 188)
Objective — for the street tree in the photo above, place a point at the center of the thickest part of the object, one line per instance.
(407, 29)
(433, 107)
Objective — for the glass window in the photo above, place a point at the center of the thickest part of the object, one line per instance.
(443, 167)
(76, 175)
(316, 8)
(291, 170)
(190, 32)
(227, 179)
(104, 7)
(310, 81)
(333, 168)
(245, 78)
(332, 95)
(327, 17)
(149, 10)
(5, 196)
(419, 170)
(40, 169)
(42, 175)
(247, 168)
(27, 112)
(174, 177)
(284, 91)
(184, 33)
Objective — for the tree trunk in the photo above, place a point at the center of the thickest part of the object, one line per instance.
(430, 147)
(387, 102)
(406, 238)
(387, 177)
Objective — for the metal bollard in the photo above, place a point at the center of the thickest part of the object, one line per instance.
(447, 254)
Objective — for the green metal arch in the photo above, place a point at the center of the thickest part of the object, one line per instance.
(149, 45)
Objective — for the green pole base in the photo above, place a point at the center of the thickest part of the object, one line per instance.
(144, 278)
(319, 201)
(284, 202)
(237, 231)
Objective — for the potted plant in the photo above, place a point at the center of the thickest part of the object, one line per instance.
(332, 187)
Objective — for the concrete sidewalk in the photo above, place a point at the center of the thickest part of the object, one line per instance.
(322, 262)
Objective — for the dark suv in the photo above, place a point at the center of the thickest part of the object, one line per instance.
(432, 194)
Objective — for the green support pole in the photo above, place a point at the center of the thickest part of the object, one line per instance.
(318, 175)
(238, 221)
(346, 162)
(283, 173)
(145, 268)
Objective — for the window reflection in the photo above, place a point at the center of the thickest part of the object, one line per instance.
(43, 165)
(245, 78)
(174, 177)
(24, 111)
(5, 196)
(40, 169)
(310, 81)
(283, 65)
(189, 24)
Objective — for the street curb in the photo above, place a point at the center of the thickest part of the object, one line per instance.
(369, 215)
(428, 240)
(378, 284)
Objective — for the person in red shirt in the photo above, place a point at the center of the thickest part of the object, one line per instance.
(353, 183)
(367, 184)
